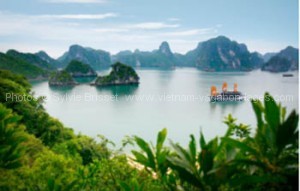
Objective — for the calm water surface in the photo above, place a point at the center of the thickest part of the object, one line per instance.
(176, 99)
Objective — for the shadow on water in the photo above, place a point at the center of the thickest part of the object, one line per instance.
(84, 80)
(37, 82)
(120, 90)
(225, 74)
(225, 106)
(61, 89)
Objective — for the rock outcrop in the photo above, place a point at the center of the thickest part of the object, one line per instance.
(61, 78)
(121, 74)
(79, 69)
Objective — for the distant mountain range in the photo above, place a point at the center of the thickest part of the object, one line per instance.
(216, 54)
(163, 57)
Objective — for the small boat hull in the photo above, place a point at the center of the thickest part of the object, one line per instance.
(227, 97)
(287, 75)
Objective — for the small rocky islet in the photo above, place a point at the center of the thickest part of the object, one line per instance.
(61, 78)
(121, 74)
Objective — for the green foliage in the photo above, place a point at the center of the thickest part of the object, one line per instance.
(155, 159)
(97, 59)
(273, 151)
(45, 155)
(240, 130)
(77, 68)
(285, 60)
(120, 72)
(277, 64)
(19, 79)
(51, 61)
(31, 58)
(208, 168)
(22, 67)
(11, 137)
(61, 78)
(163, 57)
(238, 161)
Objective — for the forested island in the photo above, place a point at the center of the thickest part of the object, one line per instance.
(39, 153)
(79, 69)
(120, 74)
(61, 78)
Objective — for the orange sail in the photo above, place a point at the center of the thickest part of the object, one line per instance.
(224, 87)
(213, 90)
(235, 87)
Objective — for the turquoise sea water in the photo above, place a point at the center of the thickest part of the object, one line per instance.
(176, 99)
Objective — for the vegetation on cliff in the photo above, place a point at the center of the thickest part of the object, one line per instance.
(277, 64)
(61, 78)
(79, 69)
(32, 59)
(285, 60)
(162, 57)
(97, 59)
(20, 66)
(120, 74)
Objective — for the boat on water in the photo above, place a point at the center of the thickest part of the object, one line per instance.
(225, 95)
(287, 75)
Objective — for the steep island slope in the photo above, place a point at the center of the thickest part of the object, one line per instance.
(79, 69)
(121, 74)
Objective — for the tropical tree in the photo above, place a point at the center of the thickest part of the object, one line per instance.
(154, 159)
(11, 138)
(272, 154)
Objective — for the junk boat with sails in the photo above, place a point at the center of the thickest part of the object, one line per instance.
(226, 95)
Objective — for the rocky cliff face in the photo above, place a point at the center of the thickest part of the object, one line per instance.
(45, 57)
(285, 60)
(163, 57)
(165, 50)
(121, 74)
(97, 59)
(222, 54)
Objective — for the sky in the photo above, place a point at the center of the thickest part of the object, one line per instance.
(115, 25)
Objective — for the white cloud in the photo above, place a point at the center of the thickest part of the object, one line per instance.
(56, 33)
(190, 32)
(76, 1)
(80, 16)
(110, 30)
(153, 25)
